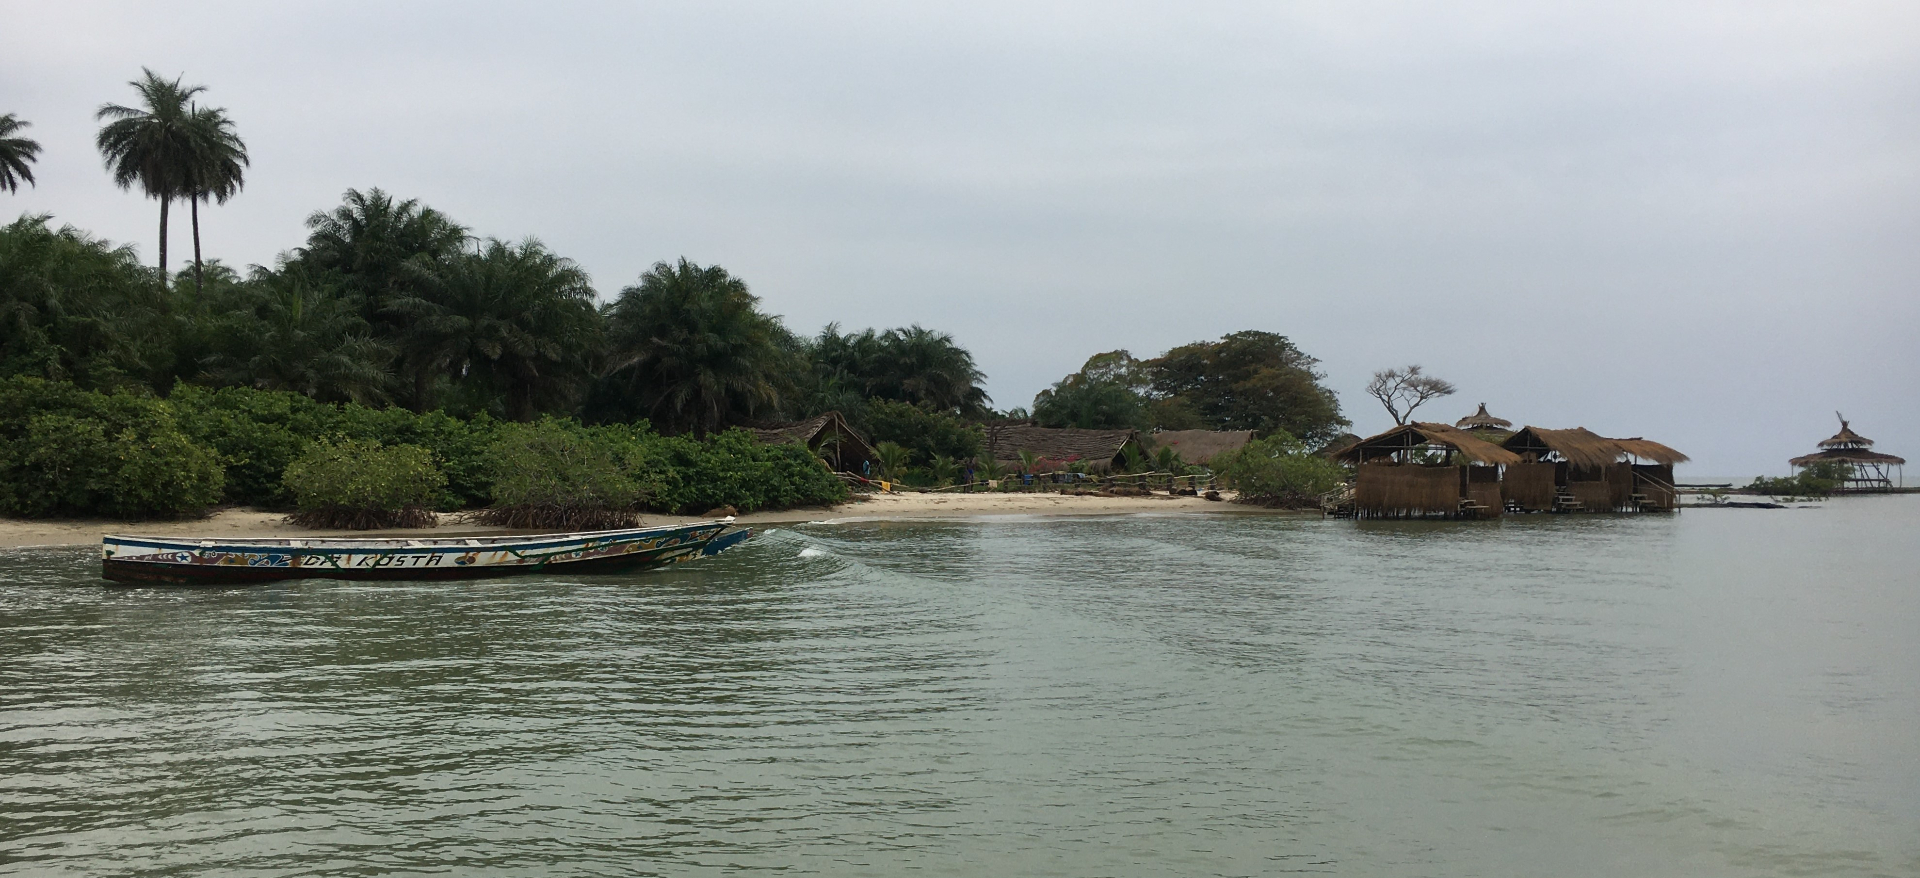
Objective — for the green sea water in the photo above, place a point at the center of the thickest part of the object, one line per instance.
(1719, 692)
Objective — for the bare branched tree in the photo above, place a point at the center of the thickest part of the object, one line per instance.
(1403, 390)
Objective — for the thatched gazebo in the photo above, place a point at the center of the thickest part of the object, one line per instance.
(1577, 470)
(828, 435)
(1419, 469)
(1867, 470)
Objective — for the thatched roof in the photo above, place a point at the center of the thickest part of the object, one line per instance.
(1848, 455)
(1846, 438)
(1647, 449)
(1480, 420)
(1198, 446)
(1095, 447)
(1586, 449)
(1418, 434)
(816, 430)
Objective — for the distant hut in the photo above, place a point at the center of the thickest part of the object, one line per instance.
(828, 435)
(1485, 426)
(1061, 447)
(1197, 446)
(1419, 469)
(1867, 470)
(1578, 470)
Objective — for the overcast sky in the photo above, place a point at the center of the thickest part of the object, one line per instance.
(1697, 222)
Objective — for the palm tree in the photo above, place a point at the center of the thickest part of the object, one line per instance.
(155, 146)
(371, 240)
(893, 459)
(690, 349)
(513, 320)
(290, 331)
(16, 153)
(218, 171)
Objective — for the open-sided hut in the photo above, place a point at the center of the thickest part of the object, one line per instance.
(1420, 469)
(1061, 447)
(1198, 446)
(828, 435)
(1577, 470)
(1866, 469)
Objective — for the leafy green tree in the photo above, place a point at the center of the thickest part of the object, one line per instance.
(156, 145)
(923, 433)
(291, 330)
(1278, 471)
(361, 485)
(75, 308)
(17, 154)
(1250, 381)
(1108, 393)
(514, 321)
(690, 350)
(217, 172)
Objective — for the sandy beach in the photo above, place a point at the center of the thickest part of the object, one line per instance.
(18, 533)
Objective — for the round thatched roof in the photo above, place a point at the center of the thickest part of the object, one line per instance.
(1480, 420)
(1846, 438)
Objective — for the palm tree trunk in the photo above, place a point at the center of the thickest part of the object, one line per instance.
(163, 242)
(198, 273)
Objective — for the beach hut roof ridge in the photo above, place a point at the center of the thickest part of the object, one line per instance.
(1482, 420)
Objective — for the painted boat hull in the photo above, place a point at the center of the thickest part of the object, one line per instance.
(161, 561)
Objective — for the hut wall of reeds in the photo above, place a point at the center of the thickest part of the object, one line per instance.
(1654, 482)
(1530, 486)
(1593, 496)
(1407, 491)
(1483, 489)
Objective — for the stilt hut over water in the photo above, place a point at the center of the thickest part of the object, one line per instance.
(1419, 470)
(1866, 470)
(1578, 470)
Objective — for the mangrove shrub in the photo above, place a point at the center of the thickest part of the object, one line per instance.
(362, 485)
(1278, 471)
(71, 452)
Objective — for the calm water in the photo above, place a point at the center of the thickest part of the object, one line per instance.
(1725, 692)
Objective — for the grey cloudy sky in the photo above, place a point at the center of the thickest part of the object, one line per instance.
(1690, 221)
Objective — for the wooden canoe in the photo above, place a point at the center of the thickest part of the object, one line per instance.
(167, 561)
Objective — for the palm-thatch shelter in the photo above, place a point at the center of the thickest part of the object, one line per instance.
(1060, 447)
(1421, 469)
(1485, 426)
(828, 435)
(1866, 470)
(1197, 446)
(1577, 470)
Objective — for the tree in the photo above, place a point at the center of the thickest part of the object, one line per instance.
(1108, 393)
(217, 172)
(384, 251)
(912, 364)
(17, 154)
(690, 349)
(75, 308)
(1248, 381)
(156, 145)
(1403, 390)
(289, 330)
(514, 321)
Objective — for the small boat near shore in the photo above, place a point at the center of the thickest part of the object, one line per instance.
(171, 561)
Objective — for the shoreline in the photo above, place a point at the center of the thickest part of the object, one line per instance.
(234, 523)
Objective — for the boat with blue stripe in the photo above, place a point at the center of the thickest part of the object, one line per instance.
(173, 561)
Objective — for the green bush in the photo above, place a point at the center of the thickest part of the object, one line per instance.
(731, 469)
(362, 485)
(1278, 471)
(560, 475)
(71, 452)
(1818, 480)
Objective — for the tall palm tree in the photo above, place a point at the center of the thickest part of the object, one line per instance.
(689, 348)
(217, 173)
(155, 145)
(16, 153)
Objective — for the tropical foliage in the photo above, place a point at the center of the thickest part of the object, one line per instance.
(1278, 471)
(361, 485)
(17, 153)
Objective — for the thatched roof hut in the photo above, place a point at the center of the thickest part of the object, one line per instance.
(1100, 450)
(1409, 437)
(1480, 420)
(1579, 470)
(1867, 470)
(1197, 446)
(828, 435)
